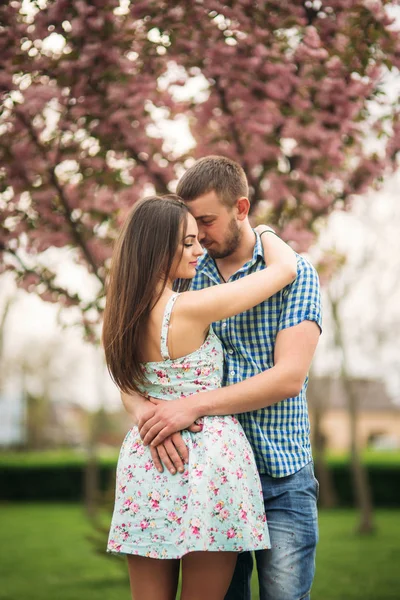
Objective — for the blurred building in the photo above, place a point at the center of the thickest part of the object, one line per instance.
(12, 419)
(32, 423)
(378, 423)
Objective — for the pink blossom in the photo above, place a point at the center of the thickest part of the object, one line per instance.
(315, 86)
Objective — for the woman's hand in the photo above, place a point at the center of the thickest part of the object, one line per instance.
(261, 228)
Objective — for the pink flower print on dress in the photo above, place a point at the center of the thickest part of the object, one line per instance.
(230, 456)
(243, 512)
(231, 533)
(198, 470)
(128, 502)
(247, 458)
(195, 526)
(161, 374)
(219, 506)
(148, 466)
(155, 498)
(257, 534)
(144, 524)
(213, 488)
(115, 546)
(224, 514)
(239, 473)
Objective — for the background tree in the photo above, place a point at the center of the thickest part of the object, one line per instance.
(289, 89)
(361, 317)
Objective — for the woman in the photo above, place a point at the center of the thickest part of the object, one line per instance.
(161, 343)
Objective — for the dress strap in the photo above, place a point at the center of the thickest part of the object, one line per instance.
(165, 326)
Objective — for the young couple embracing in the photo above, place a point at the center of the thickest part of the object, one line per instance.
(209, 331)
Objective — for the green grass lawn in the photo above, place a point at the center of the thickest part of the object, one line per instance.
(44, 554)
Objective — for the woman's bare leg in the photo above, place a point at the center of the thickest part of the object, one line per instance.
(207, 575)
(153, 578)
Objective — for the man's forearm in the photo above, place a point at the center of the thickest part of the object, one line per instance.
(262, 390)
(294, 350)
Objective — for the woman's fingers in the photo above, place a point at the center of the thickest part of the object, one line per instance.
(173, 455)
(195, 428)
(164, 456)
(181, 448)
(157, 459)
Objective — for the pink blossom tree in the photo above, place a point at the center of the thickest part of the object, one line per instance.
(295, 91)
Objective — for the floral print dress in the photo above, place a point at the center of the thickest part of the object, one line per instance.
(216, 504)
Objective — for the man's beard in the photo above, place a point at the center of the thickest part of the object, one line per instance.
(230, 243)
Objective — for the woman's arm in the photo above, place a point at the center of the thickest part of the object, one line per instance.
(223, 301)
(135, 405)
(172, 452)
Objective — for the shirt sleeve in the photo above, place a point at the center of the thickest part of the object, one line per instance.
(301, 299)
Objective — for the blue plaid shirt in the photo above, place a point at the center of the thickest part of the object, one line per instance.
(278, 434)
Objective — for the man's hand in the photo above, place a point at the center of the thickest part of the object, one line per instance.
(173, 452)
(168, 417)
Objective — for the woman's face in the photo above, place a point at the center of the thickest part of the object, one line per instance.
(187, 253)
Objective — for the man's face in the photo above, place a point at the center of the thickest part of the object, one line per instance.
(219, 231)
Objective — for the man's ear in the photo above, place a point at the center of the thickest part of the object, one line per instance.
(243, 208)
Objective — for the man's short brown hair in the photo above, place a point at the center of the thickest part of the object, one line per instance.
(216, 174)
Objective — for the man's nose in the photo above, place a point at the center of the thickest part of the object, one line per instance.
(201, 235)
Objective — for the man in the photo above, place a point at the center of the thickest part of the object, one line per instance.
(268, 352)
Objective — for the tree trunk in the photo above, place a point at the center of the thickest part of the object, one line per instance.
(361, 486)
(327, 492)
(362, 489)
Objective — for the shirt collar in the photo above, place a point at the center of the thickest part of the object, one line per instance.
(207, 265)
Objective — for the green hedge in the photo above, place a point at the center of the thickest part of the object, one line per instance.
(384, 481)
(63, 480)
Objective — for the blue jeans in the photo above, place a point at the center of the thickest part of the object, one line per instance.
(287, 570)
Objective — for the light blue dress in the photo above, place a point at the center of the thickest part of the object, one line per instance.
(216, 504)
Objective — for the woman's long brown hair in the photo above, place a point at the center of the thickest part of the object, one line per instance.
(142, 259)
